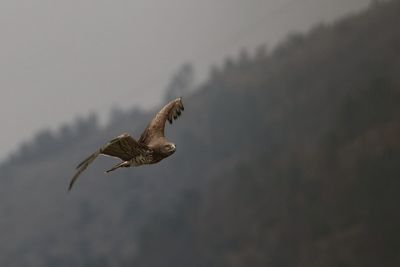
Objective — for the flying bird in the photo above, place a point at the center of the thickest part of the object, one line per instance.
(151, 147)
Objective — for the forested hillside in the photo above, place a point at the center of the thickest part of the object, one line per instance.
(288, 157)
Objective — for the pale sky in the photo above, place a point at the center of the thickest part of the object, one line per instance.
(63, 59)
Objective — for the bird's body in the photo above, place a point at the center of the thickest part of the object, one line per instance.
(151, 148)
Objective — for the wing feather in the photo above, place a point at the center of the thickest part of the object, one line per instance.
(123, 147)
(82, 166)
(155, 129)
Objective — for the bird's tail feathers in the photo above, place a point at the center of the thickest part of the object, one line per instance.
(119, 165)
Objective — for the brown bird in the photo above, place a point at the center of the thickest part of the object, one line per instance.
(151, 147)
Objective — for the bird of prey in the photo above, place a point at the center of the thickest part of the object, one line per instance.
(151, 147)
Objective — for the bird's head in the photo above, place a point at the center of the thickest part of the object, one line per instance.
(168, 149)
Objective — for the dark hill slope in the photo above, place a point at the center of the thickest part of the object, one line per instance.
(284, 159)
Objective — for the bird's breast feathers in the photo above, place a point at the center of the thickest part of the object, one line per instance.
(141, 159)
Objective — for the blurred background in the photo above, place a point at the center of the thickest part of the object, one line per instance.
(288, 149)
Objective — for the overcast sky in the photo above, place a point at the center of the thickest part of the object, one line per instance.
(63, 59)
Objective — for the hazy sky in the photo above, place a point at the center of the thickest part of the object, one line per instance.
(62, 59)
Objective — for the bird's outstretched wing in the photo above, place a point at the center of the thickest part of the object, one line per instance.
(123, 147)
(155, 129)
